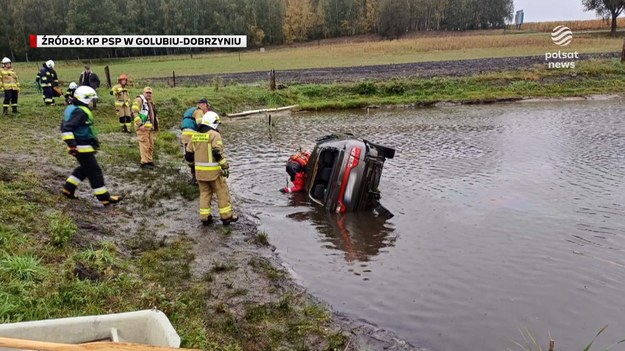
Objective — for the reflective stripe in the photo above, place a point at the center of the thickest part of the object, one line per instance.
(207, 166)
(73, 180)
(226, 209)
(100, 191)
(205, 211)
(188, 131)
(68, 136)
(147, 125)
(222, 162)
(85, 148)
(6, 105)
(121, 103)
(219, 142)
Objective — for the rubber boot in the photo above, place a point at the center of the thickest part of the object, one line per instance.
(5, 111)
(208, 221)
(15, 111)
(232, 219)
(68, 194)
(113, 199)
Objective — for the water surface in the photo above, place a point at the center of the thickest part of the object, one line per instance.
(507, 217)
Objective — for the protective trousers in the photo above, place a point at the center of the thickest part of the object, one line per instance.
(10, 99)
(88, 168)
(48, 95)
(123, 112)
(146, 145)
(220, 188)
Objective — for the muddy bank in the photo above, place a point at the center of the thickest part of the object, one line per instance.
(457, 68)
(245, 276)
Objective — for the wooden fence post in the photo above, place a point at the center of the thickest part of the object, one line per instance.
(107, 73)
(173, 73)
(272, 80)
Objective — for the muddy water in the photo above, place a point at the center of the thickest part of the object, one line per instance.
(508, 218)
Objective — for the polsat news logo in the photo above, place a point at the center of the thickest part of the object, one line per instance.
(561, 36)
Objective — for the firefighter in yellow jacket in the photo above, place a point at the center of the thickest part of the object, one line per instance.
(11, 86)
(146, 125)
(122, 103)
(211, 169)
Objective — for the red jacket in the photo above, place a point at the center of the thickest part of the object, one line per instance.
(298, 184)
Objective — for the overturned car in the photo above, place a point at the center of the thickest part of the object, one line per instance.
(344, 173)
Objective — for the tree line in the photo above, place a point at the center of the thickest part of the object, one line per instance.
(265, 22)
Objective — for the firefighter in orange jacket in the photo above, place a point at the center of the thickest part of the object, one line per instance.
(122, 103)
(296, 168)
(206, 150)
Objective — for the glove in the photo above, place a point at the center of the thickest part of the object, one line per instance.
(96, 144)
(225, 173)
(111, 92)
(282, 190)
(73, 150)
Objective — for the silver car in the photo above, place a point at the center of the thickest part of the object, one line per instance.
(344, 173)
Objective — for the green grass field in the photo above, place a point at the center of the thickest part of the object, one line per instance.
(339, 53)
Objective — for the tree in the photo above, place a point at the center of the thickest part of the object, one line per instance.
(606, 9)
(298, 20)
(394, 18)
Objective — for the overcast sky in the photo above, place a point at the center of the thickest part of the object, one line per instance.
(552, 10)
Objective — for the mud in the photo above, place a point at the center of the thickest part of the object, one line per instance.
(242, 271)
(458, 68)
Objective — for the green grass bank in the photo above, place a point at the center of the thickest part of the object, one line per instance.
(587, 78)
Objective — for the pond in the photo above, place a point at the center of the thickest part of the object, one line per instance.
(508, 218)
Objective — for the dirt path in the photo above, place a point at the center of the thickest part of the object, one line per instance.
(378, 72)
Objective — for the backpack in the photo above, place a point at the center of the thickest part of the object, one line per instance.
(188, 121)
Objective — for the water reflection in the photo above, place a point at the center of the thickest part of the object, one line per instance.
(361, 235)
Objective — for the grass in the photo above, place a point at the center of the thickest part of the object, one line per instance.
(589, 77)
(262, 239)
(344, 52)
(40, 280)
(530, 343)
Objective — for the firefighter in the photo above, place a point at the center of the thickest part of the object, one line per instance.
(296, 168)
(69, 94)
(11, 86)
(49, 82)
(122, 103)
(80, 136)
(211, 169)
(191, 118)
(146, 125)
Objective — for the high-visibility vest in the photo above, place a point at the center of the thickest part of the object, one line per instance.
(8, 79)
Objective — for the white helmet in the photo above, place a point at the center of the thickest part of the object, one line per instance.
(50, 64)
(85, 94)
(211, 119)
(73, 85)
(6, 60)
